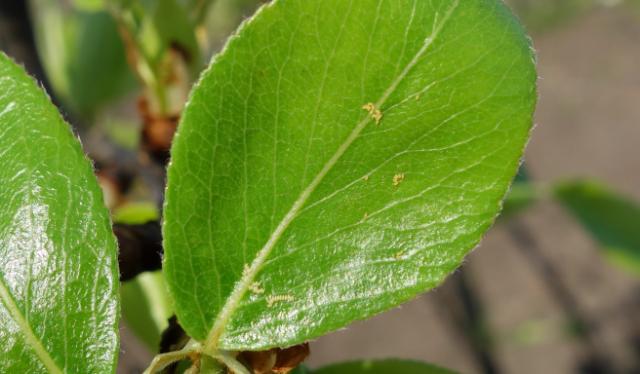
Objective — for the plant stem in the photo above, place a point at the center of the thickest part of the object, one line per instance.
(230, 361)
(141, 64)
(163, 360)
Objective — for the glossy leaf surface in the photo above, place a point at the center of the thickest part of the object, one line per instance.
(58, 257)
(382, 367)
(339, 158)
(612, 220)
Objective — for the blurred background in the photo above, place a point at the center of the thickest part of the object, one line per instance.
(554, 286)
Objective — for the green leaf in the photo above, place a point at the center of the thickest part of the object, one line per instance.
(521, 196)
(612, 220)
(89, 5)
(159, 25)
(58, 257)
(541, 15)
(382, 367)
(146, 307)
(82, 54)
(136, 213)
(290, 212)
(301, 369)
(145, 302)
(174, 27)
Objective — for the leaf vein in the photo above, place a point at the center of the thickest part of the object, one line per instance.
(28, 334)
(248, 277)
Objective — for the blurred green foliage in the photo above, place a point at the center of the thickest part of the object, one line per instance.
(89, 5)
(136, 213)
(145, 302)
(146, 307)
(540, 15)
(157, 25)
(82, 54)
(612, 220)
(521, 195)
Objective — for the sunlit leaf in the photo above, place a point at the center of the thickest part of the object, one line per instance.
(339, 158)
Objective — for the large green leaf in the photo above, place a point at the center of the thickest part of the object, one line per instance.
(58, 257)
(612, 220)
(382, 367)
(293, 208)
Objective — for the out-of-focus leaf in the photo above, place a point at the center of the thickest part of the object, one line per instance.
(612, 220)
(136, 312)
(301, 369)
(381, 367)
(136, 213)
(160, 25)
(58, 258)
(165, 49)
(82, 54)
(89, 5)
(145, 300)
(124, 132)
(521, 196)
(176, 29)
(210, 366)
(541, 15)
(339, 158)
(523, 175)
(221, 19)
(146, 307)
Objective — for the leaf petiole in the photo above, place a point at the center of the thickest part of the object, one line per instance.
(192, 350)
(231, 362)
(163, 360)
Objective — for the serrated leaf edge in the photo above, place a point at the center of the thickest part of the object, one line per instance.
(5, 295)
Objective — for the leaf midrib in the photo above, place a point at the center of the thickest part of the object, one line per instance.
(248, 276)
(28, 334)
(14, 311)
